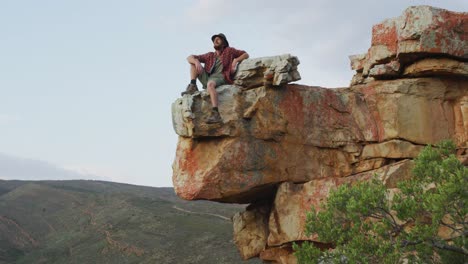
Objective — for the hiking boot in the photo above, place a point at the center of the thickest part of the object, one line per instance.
(214, 118)
(191, 89)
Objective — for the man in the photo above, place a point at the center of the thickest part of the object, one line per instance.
(219, 69)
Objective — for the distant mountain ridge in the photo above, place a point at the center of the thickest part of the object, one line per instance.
(104, 222)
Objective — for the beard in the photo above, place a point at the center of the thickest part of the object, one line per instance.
(219, 47)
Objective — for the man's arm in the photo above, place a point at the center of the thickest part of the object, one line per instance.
(242, 57)
(237, 60)
(192, 60)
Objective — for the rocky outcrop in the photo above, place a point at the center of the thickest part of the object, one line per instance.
(269, 71)
(282, 147)
(419, 32)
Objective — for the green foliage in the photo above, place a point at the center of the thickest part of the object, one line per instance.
(366, 225)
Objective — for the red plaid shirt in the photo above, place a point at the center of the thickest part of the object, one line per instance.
(227, 56)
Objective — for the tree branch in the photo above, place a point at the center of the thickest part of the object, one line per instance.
(460, 250)
(394, 222)
(438, 245)
(406, 243)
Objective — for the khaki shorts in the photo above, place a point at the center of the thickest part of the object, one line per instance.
(218, 78)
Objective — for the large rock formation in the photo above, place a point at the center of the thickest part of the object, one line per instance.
(282, 147)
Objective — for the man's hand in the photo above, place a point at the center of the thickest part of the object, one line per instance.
(191, 59)
(238, 60)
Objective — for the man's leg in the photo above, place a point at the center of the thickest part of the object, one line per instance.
(192, 87)
(214, 117)
(213, 94)
(193, 72)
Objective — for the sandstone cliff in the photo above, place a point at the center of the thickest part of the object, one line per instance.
(282, 147)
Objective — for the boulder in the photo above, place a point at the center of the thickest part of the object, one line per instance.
(275, 70)
(251, 230)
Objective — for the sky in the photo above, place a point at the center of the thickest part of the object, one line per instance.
(86, 87)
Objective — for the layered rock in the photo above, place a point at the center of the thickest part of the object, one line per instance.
(420, 32)
(298, 133)
(282, 147)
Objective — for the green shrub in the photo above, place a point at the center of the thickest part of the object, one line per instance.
(366, 226)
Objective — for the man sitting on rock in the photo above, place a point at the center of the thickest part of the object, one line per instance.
(219, 69)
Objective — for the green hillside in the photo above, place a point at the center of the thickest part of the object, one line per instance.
(104, 222)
